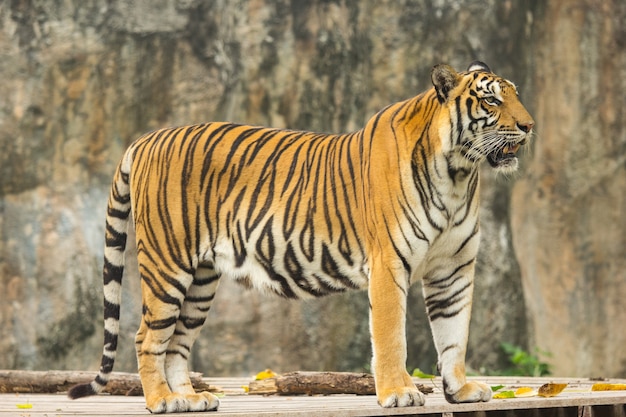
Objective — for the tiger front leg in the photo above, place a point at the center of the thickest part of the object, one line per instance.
(449, 302)
(387, 293)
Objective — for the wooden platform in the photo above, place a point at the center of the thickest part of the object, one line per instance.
(576, 401)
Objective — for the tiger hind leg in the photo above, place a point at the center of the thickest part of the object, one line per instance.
(151, 343)
(163, 306)
(193, 313)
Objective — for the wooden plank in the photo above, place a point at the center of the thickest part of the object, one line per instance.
(235, 403)
(350, 406)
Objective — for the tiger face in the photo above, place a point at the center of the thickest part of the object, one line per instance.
(492, 123)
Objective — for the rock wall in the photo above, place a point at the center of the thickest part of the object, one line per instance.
(81, 79)
(568, 207)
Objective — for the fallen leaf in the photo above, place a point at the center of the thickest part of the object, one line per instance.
(600, 386)
(525, 392)
(503, 395)
(268, 373)
(246, 388)
(24, 406)
(495, 388)
(551, 389)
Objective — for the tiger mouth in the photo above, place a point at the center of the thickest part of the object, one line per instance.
(505, 155)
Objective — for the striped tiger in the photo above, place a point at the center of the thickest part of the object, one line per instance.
(303, 214)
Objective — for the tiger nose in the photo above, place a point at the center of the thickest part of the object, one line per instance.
(525, 126)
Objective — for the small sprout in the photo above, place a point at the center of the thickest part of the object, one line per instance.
(418, 373)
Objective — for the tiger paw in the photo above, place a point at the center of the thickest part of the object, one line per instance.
(171, 403)
(400, 397)
(202, 401)
(470, 392)
(179, 403)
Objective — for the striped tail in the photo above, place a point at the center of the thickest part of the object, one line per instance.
(118, 211)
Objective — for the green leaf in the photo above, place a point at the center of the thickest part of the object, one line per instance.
(504, 395)
(495, 388)
(418, 373)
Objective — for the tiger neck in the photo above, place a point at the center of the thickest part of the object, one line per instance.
(449, 182)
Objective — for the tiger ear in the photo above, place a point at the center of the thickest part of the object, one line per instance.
(478, 66)
(444, 78)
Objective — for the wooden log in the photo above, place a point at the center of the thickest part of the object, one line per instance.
(40, 382)
(319, 383)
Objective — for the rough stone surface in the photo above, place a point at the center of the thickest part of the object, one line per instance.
(568, 207)
(79, 80)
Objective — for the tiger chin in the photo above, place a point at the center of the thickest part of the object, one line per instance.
(302, 214)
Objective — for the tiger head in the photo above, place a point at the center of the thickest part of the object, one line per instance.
(488, 120)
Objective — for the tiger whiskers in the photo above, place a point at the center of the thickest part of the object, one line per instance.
(493, 142)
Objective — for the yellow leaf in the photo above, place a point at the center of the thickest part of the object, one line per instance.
(24, 406)
(246, 388)
(551, 389)
(599, 386)
(268, 373)
(525, 392)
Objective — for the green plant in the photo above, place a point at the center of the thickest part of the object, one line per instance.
(525, 363)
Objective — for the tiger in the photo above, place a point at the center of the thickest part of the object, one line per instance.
(303, 215)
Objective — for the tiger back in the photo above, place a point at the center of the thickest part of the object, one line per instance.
(302, 214)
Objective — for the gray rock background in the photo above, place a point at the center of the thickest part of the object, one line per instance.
(79, 80)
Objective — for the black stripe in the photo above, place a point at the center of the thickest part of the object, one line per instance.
(265, 248)
(176, 352)
(399, 254)
(446, 315)
(99, 380)
(330, 268)
(161, 323)
(112, 272)
(437, 308)
(110, 340)
(157, 289)
(111, 310)
(307, 237)
(239, 246)
(252, 219)
(200, 299)
(205, 280)
(292, 207)
(468, 238)
(443, 281)
(471, 194)
(106, 367)
(286, 290)
(191, 322)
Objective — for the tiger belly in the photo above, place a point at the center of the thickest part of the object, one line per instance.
(281, 268)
